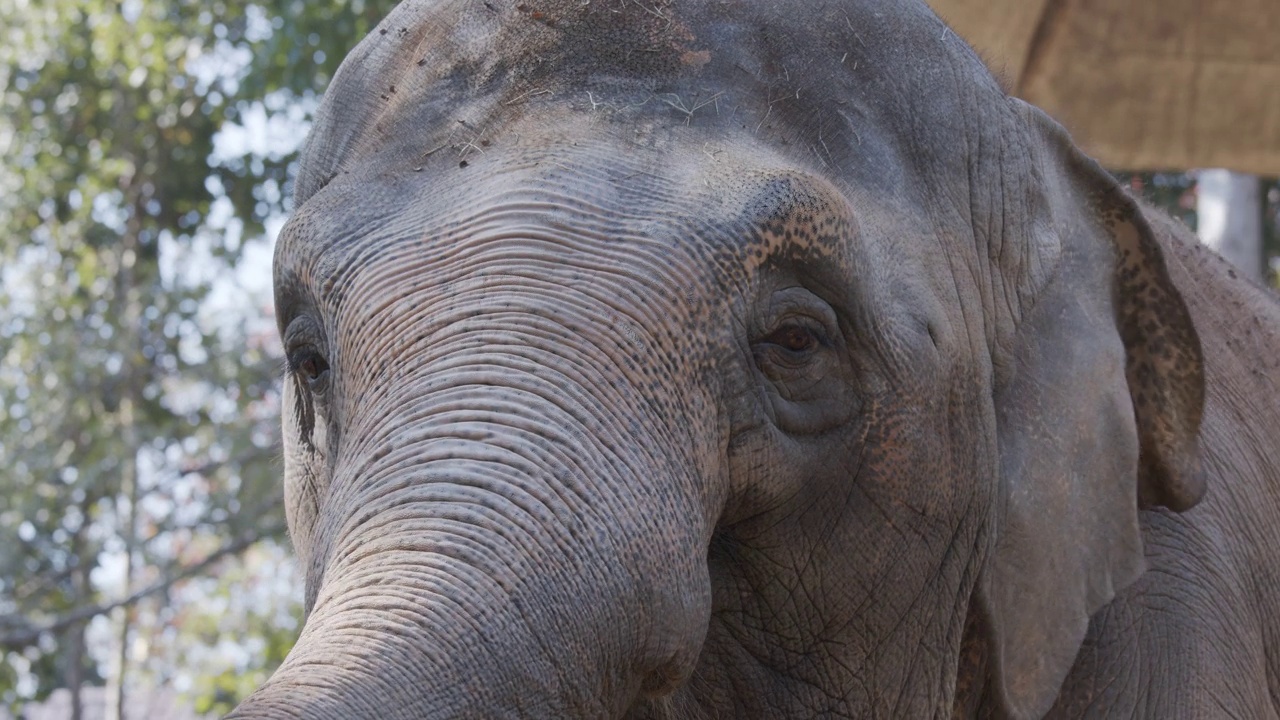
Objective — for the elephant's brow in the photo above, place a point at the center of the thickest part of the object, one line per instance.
(790, 212)
(323, 240)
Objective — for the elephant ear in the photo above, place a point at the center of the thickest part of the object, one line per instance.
(1099, 394)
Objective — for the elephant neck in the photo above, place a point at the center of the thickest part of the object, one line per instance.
(973, 696)
(784, 643)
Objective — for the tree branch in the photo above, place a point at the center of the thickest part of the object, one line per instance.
(253, 514)
(253, 455)
(28, 633)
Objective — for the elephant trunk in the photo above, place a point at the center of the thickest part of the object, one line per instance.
(510, 546)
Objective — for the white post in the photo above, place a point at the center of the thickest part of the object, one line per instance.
(1229, 211)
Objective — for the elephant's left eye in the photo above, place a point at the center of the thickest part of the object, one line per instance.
(791, 347)
(794, 339)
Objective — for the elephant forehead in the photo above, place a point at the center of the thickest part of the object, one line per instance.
(824, 79)
(562, 42)
(699, 217)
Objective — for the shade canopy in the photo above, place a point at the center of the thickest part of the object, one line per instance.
(1142, 84)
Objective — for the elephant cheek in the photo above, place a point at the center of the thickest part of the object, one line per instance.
(676, 642)
(301, 479)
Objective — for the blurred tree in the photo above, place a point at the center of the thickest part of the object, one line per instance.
(137, 423)
(1175, 193)
(1229, 217)
(1270, 192)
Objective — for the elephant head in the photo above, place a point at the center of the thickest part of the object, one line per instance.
(709, 359)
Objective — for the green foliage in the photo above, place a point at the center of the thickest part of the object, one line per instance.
(242, 609)
(1271, 229)
(137, 422)
(1175, 193)
(308, 41)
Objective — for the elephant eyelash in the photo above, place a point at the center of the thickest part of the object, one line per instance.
(304, 409)
(288, 367)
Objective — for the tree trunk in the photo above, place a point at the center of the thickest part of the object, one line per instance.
(134, 372)
(75, 641)
(1229, 208)
(75, 668)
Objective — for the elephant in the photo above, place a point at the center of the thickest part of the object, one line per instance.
(754, 359)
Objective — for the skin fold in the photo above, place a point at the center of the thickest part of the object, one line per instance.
(754, 359)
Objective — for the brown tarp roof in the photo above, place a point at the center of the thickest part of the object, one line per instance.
(1142, 84)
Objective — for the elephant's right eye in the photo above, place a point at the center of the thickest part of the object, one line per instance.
(311, 366)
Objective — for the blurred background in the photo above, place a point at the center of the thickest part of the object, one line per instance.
(147, 151)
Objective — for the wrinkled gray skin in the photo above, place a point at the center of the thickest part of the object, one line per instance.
(754, 359)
